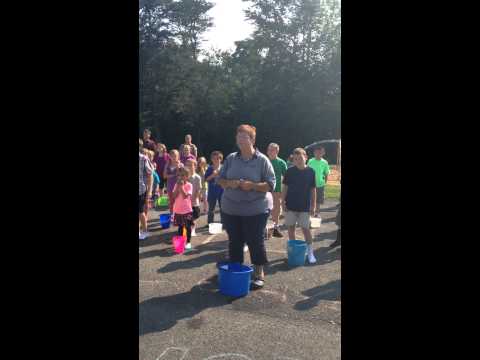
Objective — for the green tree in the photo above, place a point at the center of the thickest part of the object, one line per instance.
(285, 79)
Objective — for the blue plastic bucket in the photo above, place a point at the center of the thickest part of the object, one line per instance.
(297, 251)
(165, 221)
(234, 278)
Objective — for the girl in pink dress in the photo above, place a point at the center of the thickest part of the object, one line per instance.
(182, 206)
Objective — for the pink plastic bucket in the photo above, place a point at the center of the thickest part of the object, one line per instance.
(179, 244)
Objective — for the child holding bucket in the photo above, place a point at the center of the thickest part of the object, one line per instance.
(298, 197)
(182, 205)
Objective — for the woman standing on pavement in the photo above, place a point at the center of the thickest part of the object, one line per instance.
(247, 176)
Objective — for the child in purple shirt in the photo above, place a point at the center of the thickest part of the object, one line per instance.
(170, 173)
(186, 154)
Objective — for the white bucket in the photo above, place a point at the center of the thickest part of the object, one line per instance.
(315, 222)
(215, 228)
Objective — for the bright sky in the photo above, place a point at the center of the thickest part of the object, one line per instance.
(229, 25)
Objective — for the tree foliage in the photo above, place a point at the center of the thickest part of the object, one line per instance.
(285, 79)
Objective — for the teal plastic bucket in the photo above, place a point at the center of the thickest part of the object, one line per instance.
(297, 252)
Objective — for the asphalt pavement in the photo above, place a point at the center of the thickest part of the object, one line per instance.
(182, 315)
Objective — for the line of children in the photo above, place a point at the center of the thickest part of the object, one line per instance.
(299, 198)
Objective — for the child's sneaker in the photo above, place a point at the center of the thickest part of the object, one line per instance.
(310, 255)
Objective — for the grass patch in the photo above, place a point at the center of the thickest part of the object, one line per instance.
(332, 192)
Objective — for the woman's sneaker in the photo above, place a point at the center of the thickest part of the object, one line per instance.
(257, 284)
(188, 246)
(245, 248)
(193, 232)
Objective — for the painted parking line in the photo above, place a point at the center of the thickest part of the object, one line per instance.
(173, 353)
(209, 239)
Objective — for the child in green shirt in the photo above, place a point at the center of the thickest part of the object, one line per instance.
(280, 168)
(321, 168)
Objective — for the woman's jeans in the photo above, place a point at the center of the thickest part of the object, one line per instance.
(249, 230)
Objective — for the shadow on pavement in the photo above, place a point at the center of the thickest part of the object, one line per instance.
(329, 220)
(326, 255)
(164, 237)
(329, 209)
(277, 265)
(330, 291)
(193, 262)
(153, 253)
(331, 235)
(162, 313)
(219, 246)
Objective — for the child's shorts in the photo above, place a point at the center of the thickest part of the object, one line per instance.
(296, 217)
